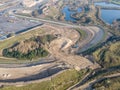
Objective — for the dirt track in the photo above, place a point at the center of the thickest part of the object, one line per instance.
(88, 86)
(59, 48)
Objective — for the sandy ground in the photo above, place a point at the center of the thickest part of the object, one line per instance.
(12, 73)
(59, 48)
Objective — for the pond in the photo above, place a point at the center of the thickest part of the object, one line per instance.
(68, 13)
(104, 4)
(108, 16)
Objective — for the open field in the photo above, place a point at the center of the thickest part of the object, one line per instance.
(65, 37)
(12, 40)
(59, 82)
(41, 30)
(81, 54)
(58, 48)
(108, 84)
(115, 2)
(108, 56)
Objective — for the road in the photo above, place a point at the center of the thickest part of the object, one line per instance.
(94, 34)
(47, 21)
(88, 86)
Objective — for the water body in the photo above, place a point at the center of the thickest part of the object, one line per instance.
(68, 13)
(109, 16)
(106, 4)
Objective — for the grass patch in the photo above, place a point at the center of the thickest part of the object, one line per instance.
(82, 33)
(54, 10)
(102, 73)
(9, 42)
(116, 1)
(15, 39)
(29, 49)
(108, 56)
(108, 84)
(60, 82)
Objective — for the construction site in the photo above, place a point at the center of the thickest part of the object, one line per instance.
(42, 39)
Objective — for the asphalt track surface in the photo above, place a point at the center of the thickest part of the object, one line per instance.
(94, 34)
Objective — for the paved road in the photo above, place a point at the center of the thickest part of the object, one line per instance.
(94, 36)
(47, 21)
(88, 86)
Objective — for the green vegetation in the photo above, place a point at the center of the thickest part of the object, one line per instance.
(108, 84)
(60, 82)
(11, 35)
(38, 52)
(108, 56)
(102, 73)
(36, 12)
(29, 49)
(82, 33)
(46, 38)
(53, 12)
(9, 42)
(115, 1)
